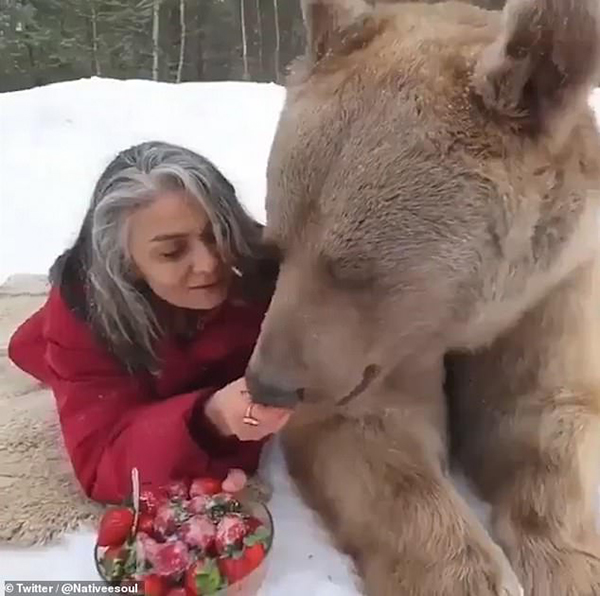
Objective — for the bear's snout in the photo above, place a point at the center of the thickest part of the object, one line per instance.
(269, 391)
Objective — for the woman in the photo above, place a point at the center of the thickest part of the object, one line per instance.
(150, 322)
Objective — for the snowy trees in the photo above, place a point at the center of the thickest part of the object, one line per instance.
(43, 41)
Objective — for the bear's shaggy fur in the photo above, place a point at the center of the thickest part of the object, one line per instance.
(433, 189)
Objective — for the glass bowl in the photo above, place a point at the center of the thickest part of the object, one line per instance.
(250, 584)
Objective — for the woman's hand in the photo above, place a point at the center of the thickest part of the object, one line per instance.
(227, 408)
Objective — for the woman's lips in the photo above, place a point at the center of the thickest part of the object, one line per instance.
(206, 286)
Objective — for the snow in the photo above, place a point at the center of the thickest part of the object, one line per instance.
(55, 141)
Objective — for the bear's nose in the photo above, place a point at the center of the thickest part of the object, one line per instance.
(270, 392)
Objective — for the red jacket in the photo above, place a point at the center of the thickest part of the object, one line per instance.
(113, 421)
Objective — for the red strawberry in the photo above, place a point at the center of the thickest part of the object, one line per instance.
(150, 499)
(205, 486)
(254, 555)
(257, 535)
(155, 586)
(202, 577)
(165, 521)
(115, 526)
(253, 524)
(199, 504)
(177, 592)
(145, 548)
(198, 531)
(177, 489)
(145, 523)
(225, 499)
(171, 558)
(230, 532)
(242, 563)
(222, 504)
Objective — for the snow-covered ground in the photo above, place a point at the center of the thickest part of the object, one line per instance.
(54, 142)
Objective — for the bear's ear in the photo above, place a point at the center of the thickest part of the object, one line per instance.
(544, 63)
(333, 26)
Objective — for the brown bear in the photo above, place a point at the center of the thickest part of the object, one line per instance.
(433, 190)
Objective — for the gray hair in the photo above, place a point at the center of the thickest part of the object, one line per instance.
(119, 308)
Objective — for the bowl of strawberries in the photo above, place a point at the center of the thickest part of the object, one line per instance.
(186, 539)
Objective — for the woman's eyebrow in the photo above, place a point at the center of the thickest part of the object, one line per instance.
(174, 236)
(178, 235)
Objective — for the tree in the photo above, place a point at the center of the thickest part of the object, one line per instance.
(155, 38)
(277, 39)
(94, 26)
(182, 17)
(244, 39)
(259, 24)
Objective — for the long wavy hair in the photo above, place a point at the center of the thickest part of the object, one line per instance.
(96, 274)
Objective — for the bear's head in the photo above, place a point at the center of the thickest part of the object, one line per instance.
(431, 174)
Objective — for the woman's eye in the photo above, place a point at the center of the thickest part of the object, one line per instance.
(173, 254)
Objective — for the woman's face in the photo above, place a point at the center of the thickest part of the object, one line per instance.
(173, 248)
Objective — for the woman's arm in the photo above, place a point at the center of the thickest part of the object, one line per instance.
(27, 347)
(110, 422)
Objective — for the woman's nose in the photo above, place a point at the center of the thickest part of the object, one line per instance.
(204, 259)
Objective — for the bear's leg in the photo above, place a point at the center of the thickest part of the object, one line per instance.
(526, 415)
(378, 481)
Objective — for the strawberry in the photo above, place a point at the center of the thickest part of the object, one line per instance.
(177, 592)
(254, 555)
(155, 585)
(241, 563)
(253, 524)
(145, 523)
(164, 522)
(226, 500)
(169, 516)
(115, 526)
(145, 549)
(171, 558)
(177, 489)
(259, 534)
(205, 486)
(199, 504)
(230, 532)
(202, 577)
(150, 499)
(198, 531)
(221, 504)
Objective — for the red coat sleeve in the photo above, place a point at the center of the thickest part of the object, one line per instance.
(27, 347)
(110, 423)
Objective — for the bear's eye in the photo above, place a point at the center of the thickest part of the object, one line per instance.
(349, 273)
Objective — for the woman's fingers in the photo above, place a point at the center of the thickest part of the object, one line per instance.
(269, 420)
(232, 412)
(268, 423)
(269, 414)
